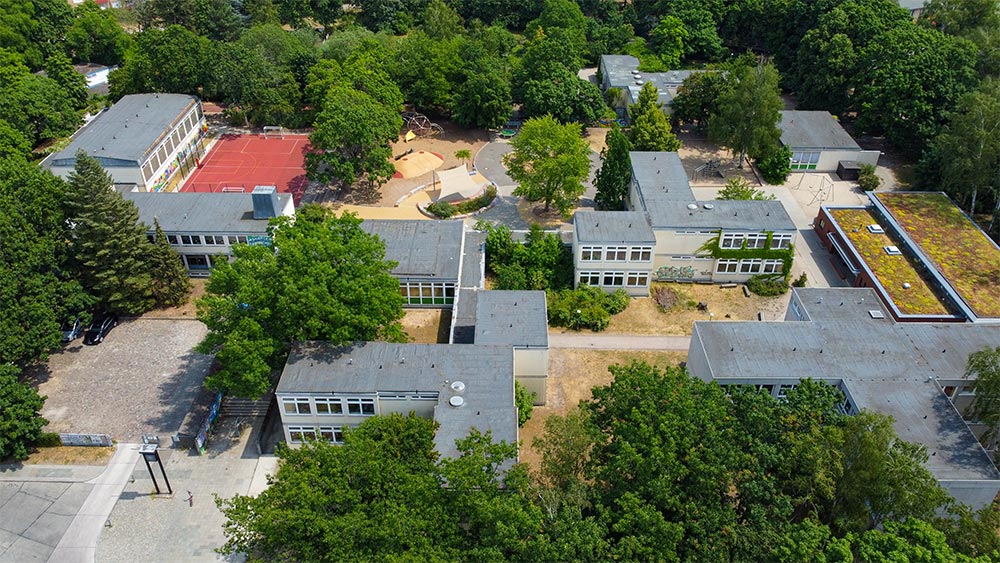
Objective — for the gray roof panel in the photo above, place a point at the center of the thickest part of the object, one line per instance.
(814, 130)
(512, 318)
(197, 212)
(612, 226)
(131, 128)
(429, 250)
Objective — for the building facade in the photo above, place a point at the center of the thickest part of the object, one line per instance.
(613, 250)
(144, 141)
(203, 227)
(428, 255)
(818, 142)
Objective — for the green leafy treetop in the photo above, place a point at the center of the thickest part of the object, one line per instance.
(748, 114)
(549, 162)
(111, 254)
(615, 175)
(984, 367)
(20, 423)
(650, 129)
(739, 188)
(324, 279)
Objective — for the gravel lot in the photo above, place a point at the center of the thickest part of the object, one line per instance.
(141, 380)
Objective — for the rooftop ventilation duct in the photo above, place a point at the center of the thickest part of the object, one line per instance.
(265, 202)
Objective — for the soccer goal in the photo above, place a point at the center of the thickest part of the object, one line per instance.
(233, 189)
(274, 132)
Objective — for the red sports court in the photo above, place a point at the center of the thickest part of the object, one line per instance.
(237, 163)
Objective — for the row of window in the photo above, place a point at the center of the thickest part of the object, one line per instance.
(328, 406)
(300, 434)
(735, 241)
(171, 142)
(614, 279)
(427, 293)
(804, 160)
(701, 233)
(749, 266)
(206, 240)
(616, 253)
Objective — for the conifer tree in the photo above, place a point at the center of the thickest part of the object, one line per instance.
(612, 179)
(169, 277)
(111, 254)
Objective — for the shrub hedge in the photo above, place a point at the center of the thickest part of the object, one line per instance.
(445, 210)
(585, 307)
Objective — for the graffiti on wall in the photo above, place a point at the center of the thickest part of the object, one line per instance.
(675, 273)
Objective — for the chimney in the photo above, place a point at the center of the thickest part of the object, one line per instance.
(265, 202)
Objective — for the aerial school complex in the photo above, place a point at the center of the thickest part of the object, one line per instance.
(925, 297)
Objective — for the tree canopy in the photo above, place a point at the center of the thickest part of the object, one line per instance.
(747, 118)
(615, 174)
(20, 422)
(549, 163)
(324, 278)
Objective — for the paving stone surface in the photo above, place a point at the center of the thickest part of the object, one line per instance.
(35, 515)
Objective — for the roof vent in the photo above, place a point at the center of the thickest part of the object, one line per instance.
(877, 229)
(456, 401)
(458, 386)
(875, 314)
(635, 71)
(266, 203)
(906, 285)
(892, 250)
(638, 76)
(692, 206)
(709, 206)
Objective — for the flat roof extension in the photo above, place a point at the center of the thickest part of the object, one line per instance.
(512, 318)
(612, 227)
(200, 212)
(428, 250)
(816, 130)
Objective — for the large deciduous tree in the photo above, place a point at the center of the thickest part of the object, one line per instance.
(910, 78)
(323, 279)
(984, 369)
(549, 162)
(20, 422)
(110, 251)
(748, 114)
(615, 175)
(95, 36)
(173, 59)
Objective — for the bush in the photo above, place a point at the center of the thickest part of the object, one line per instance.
(800, 281)
(867, 180)
(542, 262)
(445, 210)
(767, 286)
(776, 167)
(441, 209)
(585, 307)
(20, 424)
(49, 440)
(525, 402)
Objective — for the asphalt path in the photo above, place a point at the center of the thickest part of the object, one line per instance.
(618, 342)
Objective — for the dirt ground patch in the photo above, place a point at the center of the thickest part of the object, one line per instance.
(427, 326)
(185, 310)
(70, 455)
(643, 315)
(596, 137)
(697, 150)
(572, 375)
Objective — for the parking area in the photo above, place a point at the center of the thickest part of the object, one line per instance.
(141, 380)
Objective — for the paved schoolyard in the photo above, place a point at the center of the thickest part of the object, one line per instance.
(141, 380)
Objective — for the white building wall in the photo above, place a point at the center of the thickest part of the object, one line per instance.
(531, 369)
(181, 137)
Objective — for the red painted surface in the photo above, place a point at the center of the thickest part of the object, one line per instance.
(251, 160)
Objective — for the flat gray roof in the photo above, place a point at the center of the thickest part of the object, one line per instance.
(618, 70)
(660, 176)
(198, 212)
(512, 318)
(423, 249)
(486, 371)
(814, 130)
(612, 226)
(130, 129)
(887, 367)
(838, 303)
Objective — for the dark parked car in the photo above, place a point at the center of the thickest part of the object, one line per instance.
(102, 325)
(72, 328)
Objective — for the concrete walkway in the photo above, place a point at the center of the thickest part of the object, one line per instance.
(79, 542)
(618, 342)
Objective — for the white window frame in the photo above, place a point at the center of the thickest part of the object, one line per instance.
(732, 241)
(772, 266)
(173, 240)
(616, 254)
(781, 241)
(641, 254)
(637, 279)
(591, 253)
(727, 266)
(301, 432)
(297, 404)
(751, 265)
(333, 405)
(214, 240)
(617, 279)
(592, 279)
(332, 434)
(360, 403)
(756, 241)
(784, 389)
(237, 239)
